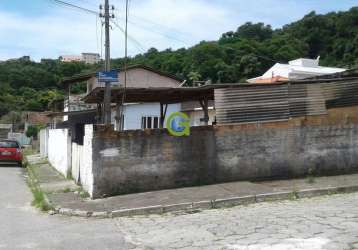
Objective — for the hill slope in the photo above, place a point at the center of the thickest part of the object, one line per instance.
(236, 56)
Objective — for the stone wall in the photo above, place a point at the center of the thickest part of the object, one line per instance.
(136, 161)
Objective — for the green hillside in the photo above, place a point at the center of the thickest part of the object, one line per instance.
(236, 56)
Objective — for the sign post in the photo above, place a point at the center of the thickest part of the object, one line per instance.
(108, 76)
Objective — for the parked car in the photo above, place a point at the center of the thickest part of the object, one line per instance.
(10, 152)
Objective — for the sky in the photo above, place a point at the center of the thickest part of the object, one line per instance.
(43, 29)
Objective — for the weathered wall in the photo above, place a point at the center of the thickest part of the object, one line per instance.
(85, 166)
(59, 150)
(137, 161)
(77, 155)
(44, 142)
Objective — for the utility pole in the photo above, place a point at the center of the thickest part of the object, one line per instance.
(107, 66)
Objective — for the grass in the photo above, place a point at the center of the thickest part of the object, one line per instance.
(310, 176)
(67, 190)
(293, 196)
(29, 151)
(84, 194)
(39, 200)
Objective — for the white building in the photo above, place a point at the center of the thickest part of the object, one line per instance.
(89, 58)
(139, 115)
(295, 70)
(71, 58)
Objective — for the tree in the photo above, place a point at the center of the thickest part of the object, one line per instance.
(194, 76)
(32, 132)
(257, 31)
(246, 52)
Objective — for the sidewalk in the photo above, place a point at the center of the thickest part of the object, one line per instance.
(67, 198)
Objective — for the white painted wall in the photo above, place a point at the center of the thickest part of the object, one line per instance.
(44, 142)
(196, 115)
(86, 172)
(77, 158)
(59, 150)
(133, 113)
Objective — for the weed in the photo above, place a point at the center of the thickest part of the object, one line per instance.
(67, 190)
(84, 194)
(292, 196)
(310, 176)
(39, 200)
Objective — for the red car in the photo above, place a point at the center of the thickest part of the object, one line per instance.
(10, 152)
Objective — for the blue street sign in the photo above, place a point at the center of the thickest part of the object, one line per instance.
(110, 76)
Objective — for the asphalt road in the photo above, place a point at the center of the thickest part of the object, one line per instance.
(24, 227)
(329, 222)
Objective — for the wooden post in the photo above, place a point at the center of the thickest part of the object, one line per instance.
(118, 117)
(205, 105)
(163, 112)
(99, 115)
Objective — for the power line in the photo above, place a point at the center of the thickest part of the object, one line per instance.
(98, 43)
(163, 34)
(146, 21)
(138, 44)
(73, 6)
(125, 61)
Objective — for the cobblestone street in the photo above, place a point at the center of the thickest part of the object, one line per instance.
(329, 222)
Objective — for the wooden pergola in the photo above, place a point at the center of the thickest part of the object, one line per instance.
(161, 95)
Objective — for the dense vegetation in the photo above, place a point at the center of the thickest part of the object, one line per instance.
(27, 85)
(253, 48)
(236, 56)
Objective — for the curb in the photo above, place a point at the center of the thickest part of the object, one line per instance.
(192, 207)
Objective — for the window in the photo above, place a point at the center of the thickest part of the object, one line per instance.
(9, 144)
(156, 122)
(150, 122)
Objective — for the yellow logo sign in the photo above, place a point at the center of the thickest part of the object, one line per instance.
(178, 124)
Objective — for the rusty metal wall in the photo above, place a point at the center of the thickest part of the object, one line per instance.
(256, 103)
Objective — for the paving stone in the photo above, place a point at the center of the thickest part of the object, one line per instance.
(301, 224)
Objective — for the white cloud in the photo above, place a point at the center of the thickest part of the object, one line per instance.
(181, 23)
(47, 36)
(154, 23)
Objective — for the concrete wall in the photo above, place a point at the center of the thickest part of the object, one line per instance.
(59, 150)
(4, 130)
(43, 136)
(135, 161)
(77, 155)
(86, 171)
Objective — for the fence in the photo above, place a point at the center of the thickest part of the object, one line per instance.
(275, 102)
